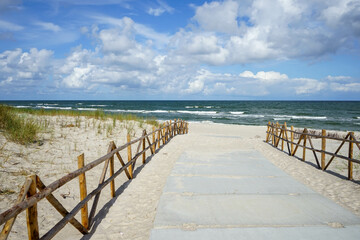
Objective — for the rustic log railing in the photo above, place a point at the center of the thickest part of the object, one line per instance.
(276, 133)
(29, 197)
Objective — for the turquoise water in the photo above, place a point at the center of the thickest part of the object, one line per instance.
(312, 114)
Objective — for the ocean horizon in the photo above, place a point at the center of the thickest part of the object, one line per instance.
(331, 115)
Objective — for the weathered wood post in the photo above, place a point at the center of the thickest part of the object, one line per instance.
(112, 183)
(143, 148)
(283, 137)
(187, 128)
(8, 225)
(171, 129)
(273, 133)
(175, 127)
(129, 155)
(323, 148)
(153, 141)
(158, 138)
(351, 152)
(31, 213)
(304, 147)
(292, 139)
(277, 132)
(268, 132)
(83, 193)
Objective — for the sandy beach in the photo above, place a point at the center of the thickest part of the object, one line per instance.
(66, 138)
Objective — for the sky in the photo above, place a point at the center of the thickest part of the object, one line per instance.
(180, 50)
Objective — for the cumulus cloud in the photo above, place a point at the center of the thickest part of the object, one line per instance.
(258, 30)
(308, 86)
(24, 69)
(270, 77)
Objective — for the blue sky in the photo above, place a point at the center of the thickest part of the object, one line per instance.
(162, 49)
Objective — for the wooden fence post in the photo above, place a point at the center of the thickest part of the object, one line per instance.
(292, 139)
(8, 225)
(277, 132)
(153, 141)
(31, 213)
(129, 155)
(187, 128)
(351, 152)
(144, 154)
(304, 148)
(112, 183)
(268, 132)
(283, 136)
(83, 193)
(158, 139)
(171, 129)
(323, 148)
(273, 133)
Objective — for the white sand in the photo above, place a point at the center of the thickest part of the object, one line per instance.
(131, 214)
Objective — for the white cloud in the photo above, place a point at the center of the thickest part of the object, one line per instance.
(162, 8)
(307, 86)
(338, 78)
(8, 26)
(218, 17)
(258, 30)
(48, 26)
(347, 87)
(126, 24)
(78, 77)
(156, 11)
(20, 68)
(270, 77)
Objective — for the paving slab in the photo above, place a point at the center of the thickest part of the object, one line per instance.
(240, 163)
(234, 185)
(278, 233)
(241, 195)
(240, 209)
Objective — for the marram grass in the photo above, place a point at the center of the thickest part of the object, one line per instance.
(18, 126)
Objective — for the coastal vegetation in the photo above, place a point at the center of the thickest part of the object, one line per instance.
(22, 125)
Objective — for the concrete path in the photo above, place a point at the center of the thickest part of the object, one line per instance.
(239, 194)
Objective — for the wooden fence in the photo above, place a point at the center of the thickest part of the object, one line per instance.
(29, 197)
(276, 132)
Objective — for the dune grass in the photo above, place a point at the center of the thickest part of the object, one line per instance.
(19, 126)
(98, 114)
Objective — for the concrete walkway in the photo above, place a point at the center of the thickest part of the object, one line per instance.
(239, 194)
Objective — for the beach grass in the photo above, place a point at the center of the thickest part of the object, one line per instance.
(17, 128)
(19, 124)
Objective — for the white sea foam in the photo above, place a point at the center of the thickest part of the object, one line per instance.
(309, 117)
(156, 111)
(251, 116)
(289, 117)
(237, 113)
(198, 112)
(22, 106)
(87, 109)
(97, 105)
(51, 107)
(358, 117)
(281, 119)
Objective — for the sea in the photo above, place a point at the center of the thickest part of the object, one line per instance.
(330, 115)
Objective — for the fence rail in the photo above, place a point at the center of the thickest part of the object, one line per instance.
(29, 196)
(276, 133)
